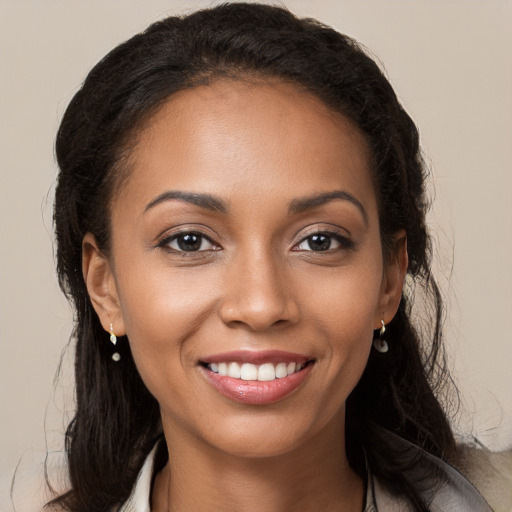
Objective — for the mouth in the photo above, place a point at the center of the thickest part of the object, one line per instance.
(256, 377)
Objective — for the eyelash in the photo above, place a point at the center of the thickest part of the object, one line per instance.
(344, 242)
(165, 243)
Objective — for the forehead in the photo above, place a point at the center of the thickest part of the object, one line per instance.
(264, 137)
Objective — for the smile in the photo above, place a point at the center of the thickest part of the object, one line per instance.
(257, 378)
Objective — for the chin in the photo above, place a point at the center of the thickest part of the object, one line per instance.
(268, 435)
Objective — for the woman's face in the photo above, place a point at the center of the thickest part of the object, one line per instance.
(245, 243)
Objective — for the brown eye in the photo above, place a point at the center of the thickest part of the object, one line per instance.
(324, 241)
(321, 242)
(188, 242)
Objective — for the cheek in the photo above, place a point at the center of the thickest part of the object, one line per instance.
(161, 322)
(161, 311)
(349, 333)
(161, 300)
(343, 311)
(346, 300)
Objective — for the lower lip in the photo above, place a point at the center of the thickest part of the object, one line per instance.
(257, 392)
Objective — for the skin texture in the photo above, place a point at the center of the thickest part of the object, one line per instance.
(260, 148)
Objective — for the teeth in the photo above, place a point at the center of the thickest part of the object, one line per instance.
(234, 370)
(281, 370)
(266, 372)
(247, 371)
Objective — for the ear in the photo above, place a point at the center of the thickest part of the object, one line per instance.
(101, 286)
(395, 268)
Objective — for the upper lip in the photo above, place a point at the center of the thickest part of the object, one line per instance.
(256, 357)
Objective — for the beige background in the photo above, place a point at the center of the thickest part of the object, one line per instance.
(450, 62)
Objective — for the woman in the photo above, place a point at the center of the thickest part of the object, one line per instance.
(240, 199)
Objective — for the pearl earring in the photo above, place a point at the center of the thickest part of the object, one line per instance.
(116, 356)
(379, 344)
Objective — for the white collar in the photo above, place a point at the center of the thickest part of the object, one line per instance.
(139, 500)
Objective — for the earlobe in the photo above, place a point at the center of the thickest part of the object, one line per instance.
(395, 269)
(101, 285)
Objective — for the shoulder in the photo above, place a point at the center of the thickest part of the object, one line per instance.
(491, 473)
(482, 480)
(453, 493)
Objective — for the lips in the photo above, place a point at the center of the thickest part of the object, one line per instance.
(256, 377)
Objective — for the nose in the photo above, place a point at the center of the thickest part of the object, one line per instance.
(258, 294)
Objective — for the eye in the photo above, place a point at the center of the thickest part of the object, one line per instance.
(188, 242)
(320, 242)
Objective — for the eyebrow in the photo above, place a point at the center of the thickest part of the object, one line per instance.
(310, 202)
(206, 201)
(212, 203)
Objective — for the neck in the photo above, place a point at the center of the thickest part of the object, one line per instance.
(313, 477)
